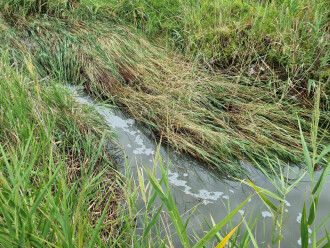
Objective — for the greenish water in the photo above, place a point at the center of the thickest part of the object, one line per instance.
(194, 184)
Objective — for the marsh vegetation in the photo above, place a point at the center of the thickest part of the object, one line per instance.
(223, 81)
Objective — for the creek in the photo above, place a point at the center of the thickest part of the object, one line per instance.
(194, 184)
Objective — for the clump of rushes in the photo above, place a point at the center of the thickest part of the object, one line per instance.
(59, 188)
(209, 116)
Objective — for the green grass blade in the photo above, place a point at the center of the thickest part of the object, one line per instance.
(304, 229)
(306, 153)
(320, 183)
(153, 221)
(263, 197)
(254, 242)
(312, 210)
(44, 191)
(218, 226)
(325, 151)
(98, 226)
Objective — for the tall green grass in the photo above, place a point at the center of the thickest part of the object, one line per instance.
(24, 8)
(58, 187)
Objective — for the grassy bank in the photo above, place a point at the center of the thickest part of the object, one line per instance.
(213, 117)
(281, 45)
(58, 185)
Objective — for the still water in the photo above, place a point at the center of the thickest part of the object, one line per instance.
(193, 184)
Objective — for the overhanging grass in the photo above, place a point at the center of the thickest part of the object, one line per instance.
(281, 45)
(209, 116)
(53, 189)
(282, 41)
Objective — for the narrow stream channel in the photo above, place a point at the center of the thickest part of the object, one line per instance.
(193, 184)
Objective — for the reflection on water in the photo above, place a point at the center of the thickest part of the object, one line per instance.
(193, 184)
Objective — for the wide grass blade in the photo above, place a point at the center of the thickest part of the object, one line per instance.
(226, 238)
(304, 229)
(153, 221)
(308, 160)
(219, 225)
(313, 210)
(263, 197)
(320, 183)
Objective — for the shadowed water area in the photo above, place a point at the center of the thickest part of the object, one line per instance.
(194, 184)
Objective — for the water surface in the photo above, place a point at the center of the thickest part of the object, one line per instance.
(193, 184)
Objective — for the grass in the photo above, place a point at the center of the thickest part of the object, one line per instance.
(228, 81)
(212, 117)
(274, 200)
(284, 44)
(56, 177)
(152, 218)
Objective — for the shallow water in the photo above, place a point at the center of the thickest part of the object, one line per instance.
(192, 184)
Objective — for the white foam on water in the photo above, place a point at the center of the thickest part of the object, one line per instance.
(173, 178)
(85, 101)
(205, 202)
(130, 121)
(116, 122)
(299, 241)
(138, 140)
(205, 194)
(225, 197)
(288, 204)
(132, 133)
(232, 191)
(143, 150)
(266, 214)
(299, 218)
(241, 211)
